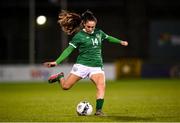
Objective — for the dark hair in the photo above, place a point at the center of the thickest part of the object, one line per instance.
(72, 22)
(88, 16)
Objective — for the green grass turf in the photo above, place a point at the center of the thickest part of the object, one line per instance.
(126, 100)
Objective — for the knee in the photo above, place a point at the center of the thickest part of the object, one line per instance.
(65, 87)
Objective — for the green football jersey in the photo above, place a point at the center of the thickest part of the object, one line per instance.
(90, 46)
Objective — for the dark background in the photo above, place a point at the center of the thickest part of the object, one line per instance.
(140, 22)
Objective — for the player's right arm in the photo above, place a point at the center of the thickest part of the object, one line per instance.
(61, 58)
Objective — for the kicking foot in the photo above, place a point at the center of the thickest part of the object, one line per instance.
(55, 77)
(99, 113)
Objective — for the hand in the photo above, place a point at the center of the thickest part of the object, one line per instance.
(50, 64)
(124, 43)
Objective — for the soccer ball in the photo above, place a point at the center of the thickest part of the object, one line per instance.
(84, 108)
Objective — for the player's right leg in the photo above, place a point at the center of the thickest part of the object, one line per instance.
(69, 82)
(65, 83)
(78, 72)
(55, 77)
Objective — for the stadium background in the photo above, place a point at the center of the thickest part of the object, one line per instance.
(150, 27)
(142, 79)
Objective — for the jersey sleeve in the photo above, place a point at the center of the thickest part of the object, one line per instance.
(65, 54)
(75, 41)
(104, 35)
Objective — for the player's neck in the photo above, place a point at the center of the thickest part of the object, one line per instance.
(87, 32)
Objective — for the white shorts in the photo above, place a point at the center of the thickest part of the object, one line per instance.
(85, 71)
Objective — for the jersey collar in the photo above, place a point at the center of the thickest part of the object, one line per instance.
(88, 33)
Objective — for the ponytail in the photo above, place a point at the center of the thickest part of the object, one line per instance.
(71, 22)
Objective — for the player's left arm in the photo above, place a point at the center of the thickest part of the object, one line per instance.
(115, 40)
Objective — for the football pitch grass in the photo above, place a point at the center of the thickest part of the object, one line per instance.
(126, 100)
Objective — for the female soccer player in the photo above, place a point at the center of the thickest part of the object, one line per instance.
(88, 39)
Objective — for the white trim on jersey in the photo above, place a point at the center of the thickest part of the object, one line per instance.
(106, 36)
(72, 45)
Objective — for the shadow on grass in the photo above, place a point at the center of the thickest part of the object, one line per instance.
(108, 118)
(129, 118)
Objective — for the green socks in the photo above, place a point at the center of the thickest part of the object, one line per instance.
(99, 104)
(59, 77)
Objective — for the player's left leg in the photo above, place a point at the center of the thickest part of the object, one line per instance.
(99, 81)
